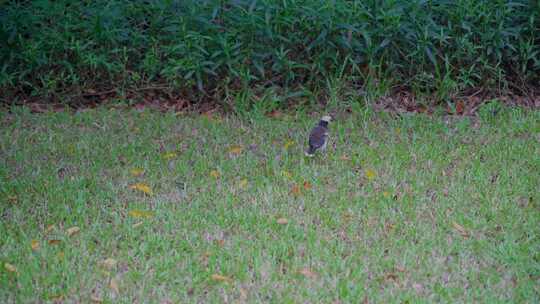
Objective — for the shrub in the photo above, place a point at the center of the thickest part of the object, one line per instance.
(62, 48)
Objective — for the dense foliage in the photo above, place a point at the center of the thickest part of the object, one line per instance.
(62, 48)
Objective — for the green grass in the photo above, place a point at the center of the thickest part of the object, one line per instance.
(378, 223)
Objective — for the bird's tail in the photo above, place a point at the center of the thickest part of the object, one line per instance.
(310, 152)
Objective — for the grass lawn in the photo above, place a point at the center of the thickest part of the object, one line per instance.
(120, 206)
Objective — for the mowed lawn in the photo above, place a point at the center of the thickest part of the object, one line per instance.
(119, 206)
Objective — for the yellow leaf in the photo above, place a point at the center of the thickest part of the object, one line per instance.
(370, 174)
(35, 245)
(113, 284)
(10, 267)
(386, 194)
(288, 144)
(142, 187)
(307, 273)
(73, 230)
(214, 173)
(236, 149)
(461, 230)
(220, 278)
(282, 221)
(57, 298)
(287, 174)
(108, 263)
(54, 242)
(136, 172)
(141, 213)
(243, 183)
(169, 155)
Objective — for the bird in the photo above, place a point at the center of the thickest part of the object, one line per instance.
(318, 138)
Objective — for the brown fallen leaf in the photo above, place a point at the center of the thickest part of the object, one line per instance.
(73, 230)
(295, 190)
(308, 273)
(10, 268)
(35, 245)
(96, 299)
(460, 107)
(113, 284)
(345, 157)
(235, 149)
(307, 185)
(142, 187)
(282, 221)
(108, 263)
(49, 228)
(54, 242)
(461, 230)
(220, 278)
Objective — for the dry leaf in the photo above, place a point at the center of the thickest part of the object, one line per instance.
(10, 267)
(345, 157)
(220, 278)
(459, 107)
(288, 144)
(275, 114)
(49, 229)
(236, 149)
(307, 185)
(295, 190)
(136, 172)
(12, 199)
(307, 273)
(113, 284)
(54, 242)
(214, 173)
(370, 174)
(287, 174)
(58, 298)
(461, 230)
(142, 187)
(108, 263)
(73, 230)
(96, 298)
(136, 224)
(243, 183)
(282, 221)
(35, 245)
(169, 155)
(140, 213)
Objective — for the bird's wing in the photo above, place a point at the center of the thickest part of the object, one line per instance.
(317, 138)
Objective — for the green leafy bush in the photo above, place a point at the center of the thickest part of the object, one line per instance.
(62, 48)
